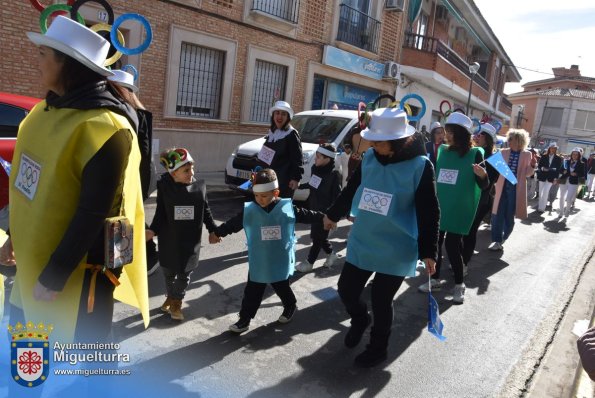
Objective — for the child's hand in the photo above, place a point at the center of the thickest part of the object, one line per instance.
(213, 238)
(328, 223)
(149, 234)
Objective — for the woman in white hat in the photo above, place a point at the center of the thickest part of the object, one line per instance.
(511, 199)
(282, 149)
(548, 170)
(459, 182)
(75, 159)
(392, 196)
(486, 139)
(436, 139)
(573, 174)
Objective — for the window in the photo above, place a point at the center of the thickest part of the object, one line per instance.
(10, 118)
(199, 82)
(269, 86)
(284, 9)
(584, 120)
(552, 117)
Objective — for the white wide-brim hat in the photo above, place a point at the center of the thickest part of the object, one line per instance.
(461, 120)
(76, 41)
(281, 106)
(577, 149)
(435, 125)
(388, 124)
(553, 145)
(123, 79)
(490, 130)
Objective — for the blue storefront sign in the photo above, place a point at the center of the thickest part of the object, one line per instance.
(347, 96)
(352, 63)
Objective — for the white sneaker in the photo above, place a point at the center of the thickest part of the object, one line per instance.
(495, 246)
(331, 260)
(304, 266)
(458, 295)
(436, 285)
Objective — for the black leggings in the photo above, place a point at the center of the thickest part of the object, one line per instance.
(254, 291)
(470, 239)
(319, 241)
(454, 249)
(351, 284)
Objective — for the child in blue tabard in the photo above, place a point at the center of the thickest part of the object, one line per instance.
(393, 199)
(269, 224)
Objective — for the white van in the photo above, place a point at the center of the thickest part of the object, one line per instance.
(314, 127)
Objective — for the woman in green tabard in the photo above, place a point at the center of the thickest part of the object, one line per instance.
(459, 181)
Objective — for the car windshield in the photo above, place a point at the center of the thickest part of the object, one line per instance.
(318, 129)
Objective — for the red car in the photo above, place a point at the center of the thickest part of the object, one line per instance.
(13, 109)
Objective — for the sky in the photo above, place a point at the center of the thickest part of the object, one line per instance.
(542, 34)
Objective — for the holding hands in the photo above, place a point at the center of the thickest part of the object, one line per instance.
(213, 238)
(328, 223)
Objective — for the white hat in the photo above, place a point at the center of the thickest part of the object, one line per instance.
(490, 130)
(461, 120)
(123, 79)
(281, 106)
(435, 125)
(76, 41)
(577, 149)
(552, 145)
(388, 124)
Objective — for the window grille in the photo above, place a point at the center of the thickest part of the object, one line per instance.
(268, 86)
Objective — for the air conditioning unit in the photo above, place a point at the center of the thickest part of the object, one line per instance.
(392, 70)
(394, 5)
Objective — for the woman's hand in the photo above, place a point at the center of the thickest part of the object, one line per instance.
(7, 254)
(149, 234)
(430, 265)
(479, 171)
(293, 184)
(328, 223)
(213, 238)
(42, 293)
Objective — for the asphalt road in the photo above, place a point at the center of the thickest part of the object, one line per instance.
(494, 340)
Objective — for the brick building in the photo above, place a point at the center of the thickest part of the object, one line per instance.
(559, 109)
(215, 66)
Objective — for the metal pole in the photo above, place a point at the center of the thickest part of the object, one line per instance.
(470, 88)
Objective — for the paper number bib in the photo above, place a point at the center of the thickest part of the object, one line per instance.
(375, 201)
(266, 154)
(183, 212)
(448, 176)
(28, 179)
(271, 232)
(315, 181)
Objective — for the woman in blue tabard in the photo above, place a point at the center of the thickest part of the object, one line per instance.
(393, 199)
(269, 223)
(459, 181)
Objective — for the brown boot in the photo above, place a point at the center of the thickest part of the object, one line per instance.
(166, 304)
(175, 310)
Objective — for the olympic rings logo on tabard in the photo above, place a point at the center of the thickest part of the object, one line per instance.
(30, 175)
(183, 213)
(270, 232)
(375, 200)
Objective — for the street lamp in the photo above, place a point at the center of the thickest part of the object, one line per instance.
(473, 68)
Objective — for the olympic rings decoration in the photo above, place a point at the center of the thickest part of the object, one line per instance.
(498, 127)
(421, 113)
(103, 27)
(169, 159)
(110, 12)
(448, 111)
(131, 51)
(132, 69)
(478, 122)
(39, 7)
(407, 109)
(362, 124)
(380, 98)
(52, 9)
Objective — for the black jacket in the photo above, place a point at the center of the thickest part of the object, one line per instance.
(181, 211)
(579, 169)
(236, 223)
(547, 171)
(145, 143)
(321, 197)
(287, 162)
(430, 152)
(101, 183)
(427, 208)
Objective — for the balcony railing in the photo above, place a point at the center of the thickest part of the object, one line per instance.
(433, 45)
(284, 9)
(358, 29)
(506, 103)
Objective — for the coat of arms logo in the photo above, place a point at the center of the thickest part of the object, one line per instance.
(29, 353)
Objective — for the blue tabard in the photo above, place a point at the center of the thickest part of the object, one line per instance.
(271, 236)
(384, 236)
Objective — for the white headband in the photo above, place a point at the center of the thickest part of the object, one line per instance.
(269, 186)
(326, 152)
